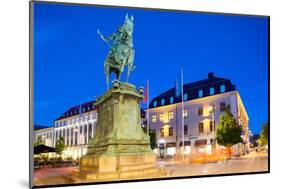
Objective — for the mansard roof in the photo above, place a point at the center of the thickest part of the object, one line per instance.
(78, 109)
(191, 89)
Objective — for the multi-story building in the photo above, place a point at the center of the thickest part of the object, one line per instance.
(45, 133)
(77, 127)
(203, 103)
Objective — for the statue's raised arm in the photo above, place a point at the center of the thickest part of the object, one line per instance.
(101, 36)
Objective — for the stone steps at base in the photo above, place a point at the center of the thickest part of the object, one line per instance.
(136, 166)
(139, 173)
(131, 174)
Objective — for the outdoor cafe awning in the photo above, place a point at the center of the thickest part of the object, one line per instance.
(186, 143)
(43, 149)
(200, 142)
(170, 144)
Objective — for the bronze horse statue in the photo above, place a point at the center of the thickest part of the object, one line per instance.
(121, 52)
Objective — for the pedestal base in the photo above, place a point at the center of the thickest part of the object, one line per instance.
(119, 166)
(120, 148)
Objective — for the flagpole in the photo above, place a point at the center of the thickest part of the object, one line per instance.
(182, 110)
(78, 136)
(147, 107)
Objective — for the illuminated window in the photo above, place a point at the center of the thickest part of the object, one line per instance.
(187, 150)
(154, 119)
(201, 127)
(200, 111)
(171, 100)
(200, 93)
(171, 151)
(185, 97)
(162, 101)
(222, 88)
(155, 103)
(161, 117)
(162, 132)
(212, 126)
(171, 115)
(165, 131)
(212, 91)
(185, 113)
(170, 131)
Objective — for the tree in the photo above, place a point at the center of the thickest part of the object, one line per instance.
(229, 131)
(264, 134)
(152, 135)
(60, 145)
(153, 143)
(39, 141)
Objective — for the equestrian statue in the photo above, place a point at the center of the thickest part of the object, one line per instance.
(121, 51)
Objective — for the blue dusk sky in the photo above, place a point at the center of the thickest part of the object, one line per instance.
(69, 55)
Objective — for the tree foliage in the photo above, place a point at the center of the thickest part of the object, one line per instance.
(60, 145)
(264, 134)
(153, 143)
(152, 136)
(229, 131)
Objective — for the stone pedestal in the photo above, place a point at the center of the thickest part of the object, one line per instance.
(120, 148)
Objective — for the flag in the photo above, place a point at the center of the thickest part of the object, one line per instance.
(80, 110)
(145, 99)
(178, 86)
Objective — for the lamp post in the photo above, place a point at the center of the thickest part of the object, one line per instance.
(212, 110)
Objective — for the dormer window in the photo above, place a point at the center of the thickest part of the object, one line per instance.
(222, 88)
(212, 90)
(200, 93)
(171, 100)
(185, 97)
(162, 101)
(155, 103)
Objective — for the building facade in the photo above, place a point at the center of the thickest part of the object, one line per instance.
(45, 133)
(77, 127)
(194, 125)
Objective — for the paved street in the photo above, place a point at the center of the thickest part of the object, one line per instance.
(252, 162)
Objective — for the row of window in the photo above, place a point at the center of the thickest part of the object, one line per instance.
(48, 135)
(71, 135)
(212, 127)
(185, 96)
(168, 131)
(185, 113)
(77, 111)
(170, 116)
(75, 120)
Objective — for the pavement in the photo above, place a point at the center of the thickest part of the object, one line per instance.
(252, 162)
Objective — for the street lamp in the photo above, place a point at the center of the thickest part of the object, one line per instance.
(212, 110)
